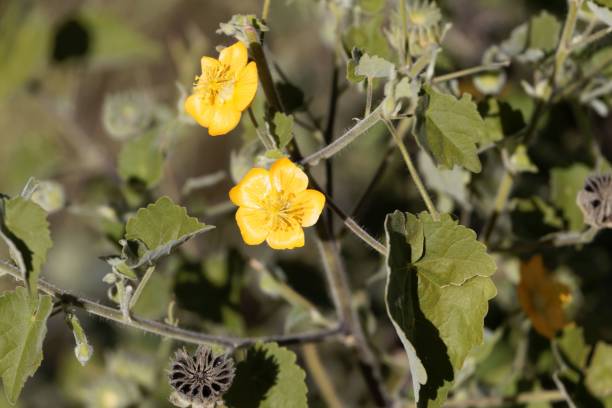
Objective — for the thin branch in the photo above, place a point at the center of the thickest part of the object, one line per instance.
(341, 294)
(470, 71)
(564, 48)
(162, 329)
(141, 285)
(413, 172)
(347, 138)
(320, 377)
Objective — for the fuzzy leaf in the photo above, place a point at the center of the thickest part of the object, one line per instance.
(564, 186)
(25, 229)
(452, 182)
(453, 127)
(602, 13)
(283, 129)
(141, 159)
(437, 303)
(161, 227)
(269, 377)
(374, 67)
(22, 331)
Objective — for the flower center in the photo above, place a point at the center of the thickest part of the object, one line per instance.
(216, 85)
(284, 215)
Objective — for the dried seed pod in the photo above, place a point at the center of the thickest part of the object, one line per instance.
(595, 200)
(200, 380)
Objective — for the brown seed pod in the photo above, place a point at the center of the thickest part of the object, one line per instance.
(595, 200)
(201, 379)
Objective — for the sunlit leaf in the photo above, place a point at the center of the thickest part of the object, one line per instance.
(374, 67)
(23, 326)
(542, 298)
(161, 227)
(25, 229)
(283, 129)
(453, 127)
(437, 297)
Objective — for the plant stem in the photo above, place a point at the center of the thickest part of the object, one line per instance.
(162, 329)
(501, 198)
(565, 43)
(341, 294)
(403, 54)
(347, 138)
(320, 377)
(328, 136)
(141, 285)
(265, 10)
(413, 172)
(369, 92)
(470, 71)
(591, 38)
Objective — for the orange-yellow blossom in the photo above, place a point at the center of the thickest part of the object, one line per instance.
(275, 205)
(226, 87)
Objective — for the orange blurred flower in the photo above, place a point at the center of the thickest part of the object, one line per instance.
(542, 297)
(226, 87)
(275, 205)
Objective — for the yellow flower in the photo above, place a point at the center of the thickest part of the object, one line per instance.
(226, 87)
(275, 205)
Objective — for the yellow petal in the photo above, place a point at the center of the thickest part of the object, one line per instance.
(208, 63)
(306, 207)
(289, 235)
(254, 225)
(252, 189)
(199, 110)
(235, 56)
(223, 120)
(288, 177)
(245, 87)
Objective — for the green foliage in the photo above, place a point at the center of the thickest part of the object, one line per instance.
(368, 37)
(283, 129)
(25, 229)
(374, 67)
(437, 294)
(268, 377)
(564, 186)
(142, 160)
(599, 376)
(161, 227)
(539, 36)
(453, 128)
(23, 326)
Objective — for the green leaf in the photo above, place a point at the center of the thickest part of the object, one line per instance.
(564, 186)
(161, 227)
(141, 159)
(453, 127)
(268, 378)
(574, 347)
(602, 13)
(540, 33)
(22, 331)
(374, 67)
(25, 229)
(436, 301)
(599, 375)
(283, 129)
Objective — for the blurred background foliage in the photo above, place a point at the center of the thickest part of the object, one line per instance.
(72, 73)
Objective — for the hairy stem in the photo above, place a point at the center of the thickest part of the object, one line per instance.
(141, 285)
(162, 329)
(347, 138)
(413, 172)
(470, 71)
(501, 198)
